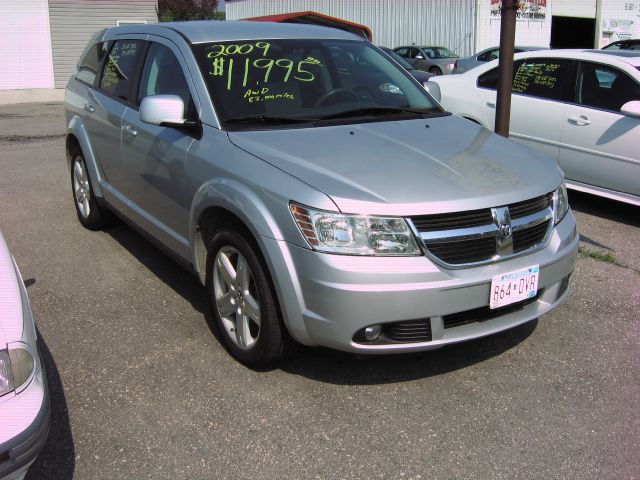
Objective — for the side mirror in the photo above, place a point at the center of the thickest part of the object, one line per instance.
(433, 89)
(165, 111)
(419, 57)
(631, 108)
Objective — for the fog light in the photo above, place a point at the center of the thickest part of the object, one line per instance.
(372, 333)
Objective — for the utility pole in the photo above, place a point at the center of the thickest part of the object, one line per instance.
(505, 65)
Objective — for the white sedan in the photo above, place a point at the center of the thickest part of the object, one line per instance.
(24, 395)
(579, 107)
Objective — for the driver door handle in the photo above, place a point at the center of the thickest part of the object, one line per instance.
(89, 108)
(491, 105)
(130, 131)
(580, 121)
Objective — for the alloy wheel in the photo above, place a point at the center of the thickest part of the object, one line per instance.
(236, 297)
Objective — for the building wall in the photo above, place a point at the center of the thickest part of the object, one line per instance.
(25, 45)
(575, 8)
(73, 22)
(617, 20)
(450, 23)
(533, 24)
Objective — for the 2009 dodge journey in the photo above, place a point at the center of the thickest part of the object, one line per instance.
(318, 191)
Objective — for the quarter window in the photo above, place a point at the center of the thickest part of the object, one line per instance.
(604, 87)
(90, 64)
(119, 70)
(163, 75)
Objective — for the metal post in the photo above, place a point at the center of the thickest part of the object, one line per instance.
(505, 66)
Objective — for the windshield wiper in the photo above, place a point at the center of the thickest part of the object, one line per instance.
(360, 112)
(266, 119)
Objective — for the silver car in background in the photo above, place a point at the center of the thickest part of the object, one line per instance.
(314, 187)
(432, 59)
(462, 65)
(24, 393)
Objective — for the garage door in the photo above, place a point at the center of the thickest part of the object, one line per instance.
(74, 22)
(25, 45)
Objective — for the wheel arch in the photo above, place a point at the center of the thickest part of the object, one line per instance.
(225, 202)
(77, 137)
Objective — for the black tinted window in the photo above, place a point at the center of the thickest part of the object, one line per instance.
(604, 87)
(90, 64)
(162, 75)
(120, 68)
(543, 78)
(489, 79)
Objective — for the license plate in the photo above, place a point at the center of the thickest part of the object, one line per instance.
(512, 287)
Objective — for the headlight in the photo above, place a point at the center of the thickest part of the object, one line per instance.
(6, 375)
(16, 369)
(560, 203)
(354, 234)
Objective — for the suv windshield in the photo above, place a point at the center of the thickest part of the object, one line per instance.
(283, 82)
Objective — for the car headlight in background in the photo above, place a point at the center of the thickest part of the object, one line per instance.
(6, 375)
(16, 369)
(355, 234)
(560, 203)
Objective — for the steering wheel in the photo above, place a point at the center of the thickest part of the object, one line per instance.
(336, 92)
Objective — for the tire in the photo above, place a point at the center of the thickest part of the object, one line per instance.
(435, 71)
(244, 306)
(90, 214)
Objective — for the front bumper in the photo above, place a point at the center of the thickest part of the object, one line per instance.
(24, 426)
(326, 298)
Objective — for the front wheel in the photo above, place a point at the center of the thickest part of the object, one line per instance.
(243, 302)
(435, 71)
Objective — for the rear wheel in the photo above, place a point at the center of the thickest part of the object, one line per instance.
(243, 302)
(90, 214)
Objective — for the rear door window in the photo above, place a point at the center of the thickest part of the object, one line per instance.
(90, 64)
(548, 78)
(120, 68)
(551, 79)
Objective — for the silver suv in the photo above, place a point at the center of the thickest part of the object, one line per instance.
(318, 192)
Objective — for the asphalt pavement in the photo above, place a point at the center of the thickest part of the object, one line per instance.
(141, 388)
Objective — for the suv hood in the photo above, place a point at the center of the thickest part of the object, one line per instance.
(406, 167)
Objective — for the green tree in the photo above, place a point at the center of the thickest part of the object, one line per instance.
(179, 10)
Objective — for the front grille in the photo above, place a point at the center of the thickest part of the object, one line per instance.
(471, 237)
(483, 314)
(464, 251)
(528, 237)
(409, 332)
(451, 221)
(522, 209)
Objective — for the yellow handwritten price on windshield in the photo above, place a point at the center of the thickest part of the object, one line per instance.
(245, 49)
(224, 66)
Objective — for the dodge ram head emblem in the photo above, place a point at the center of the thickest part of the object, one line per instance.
(505, 230)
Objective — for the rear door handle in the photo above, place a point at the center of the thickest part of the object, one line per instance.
(581, 120)
(89, 108)
(491, 105)
(129, 130)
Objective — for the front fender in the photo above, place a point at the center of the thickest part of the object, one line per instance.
(78, 129)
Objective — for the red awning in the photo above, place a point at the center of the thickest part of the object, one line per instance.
(315, 18)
